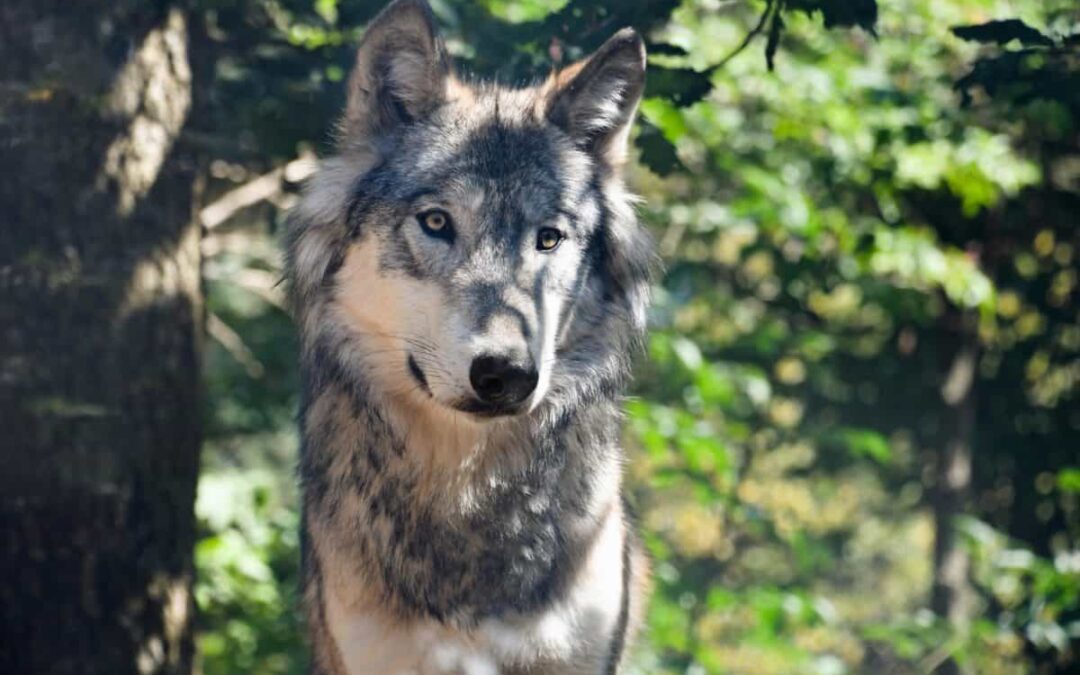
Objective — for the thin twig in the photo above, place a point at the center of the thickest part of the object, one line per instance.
(672, 237)
(267, 186)
(769, 6)
(937, 657)
(263, 284)
(235, 345)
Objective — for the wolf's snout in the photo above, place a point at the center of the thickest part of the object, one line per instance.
(499, 381)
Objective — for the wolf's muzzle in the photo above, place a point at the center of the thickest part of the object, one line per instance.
(500, 383)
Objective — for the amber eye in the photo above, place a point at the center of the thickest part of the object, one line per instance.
(435, 220)
(548, 239)
(436, 223)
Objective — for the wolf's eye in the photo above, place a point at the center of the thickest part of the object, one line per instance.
(548, 239)
(436, 223)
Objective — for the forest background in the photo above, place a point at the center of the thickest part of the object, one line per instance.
(854, 440)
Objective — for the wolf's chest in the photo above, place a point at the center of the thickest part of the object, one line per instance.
(510, 556)
(569, 636)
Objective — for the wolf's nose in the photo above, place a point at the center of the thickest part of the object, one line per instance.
(497, 380)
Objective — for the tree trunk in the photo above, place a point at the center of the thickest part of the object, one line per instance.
(952, 596)
(100, 318)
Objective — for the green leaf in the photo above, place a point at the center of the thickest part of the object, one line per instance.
(1068, 480)
(681, 86)
(523, 11)
(1002, 32)
(866, 443)
(657, 152)
(841, 13)
(688, 353)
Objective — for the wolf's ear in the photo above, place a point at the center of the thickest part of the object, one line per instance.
(594, 100)
(401, 70)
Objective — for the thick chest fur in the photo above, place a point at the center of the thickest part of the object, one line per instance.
(570, 636)
(513, 566)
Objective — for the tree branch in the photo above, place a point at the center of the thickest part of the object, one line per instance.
(770, 6)
(266, 186)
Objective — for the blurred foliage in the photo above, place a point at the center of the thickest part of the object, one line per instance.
(834, 218)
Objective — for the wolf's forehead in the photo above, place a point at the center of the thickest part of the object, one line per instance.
(497, 152)
(486, 151)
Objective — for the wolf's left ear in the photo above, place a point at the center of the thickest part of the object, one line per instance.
(401, 70)
(594, 100)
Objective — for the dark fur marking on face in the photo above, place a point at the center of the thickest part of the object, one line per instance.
(524, 165)
(371, 192)
(398, 256)
(598, 250)
(474, 407)
(568, 214)
(593, 258)
(359, 208)
(499, 151)
(337, 259)
(418, 374)
(486, 300)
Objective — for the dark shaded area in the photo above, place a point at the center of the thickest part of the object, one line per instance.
(100, 314)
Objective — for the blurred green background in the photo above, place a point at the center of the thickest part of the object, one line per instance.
(854, 440)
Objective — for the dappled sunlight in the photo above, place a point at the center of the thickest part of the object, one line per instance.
(152, 95)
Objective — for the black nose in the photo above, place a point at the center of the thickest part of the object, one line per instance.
(499, 381)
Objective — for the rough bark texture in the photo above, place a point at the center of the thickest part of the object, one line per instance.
(952, 595)
(100, 318)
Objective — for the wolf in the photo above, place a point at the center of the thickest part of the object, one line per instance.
(470, 284)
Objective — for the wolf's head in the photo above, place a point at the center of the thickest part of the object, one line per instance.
(472, 246)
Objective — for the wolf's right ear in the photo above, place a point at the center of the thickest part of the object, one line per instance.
(401, 70)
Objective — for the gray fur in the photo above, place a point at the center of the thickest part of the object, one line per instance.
(540, 157)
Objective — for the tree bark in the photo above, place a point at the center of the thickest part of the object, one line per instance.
(952, 595)
(100, 323)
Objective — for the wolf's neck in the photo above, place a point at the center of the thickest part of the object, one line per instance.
(440, 451)
(490, 530)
